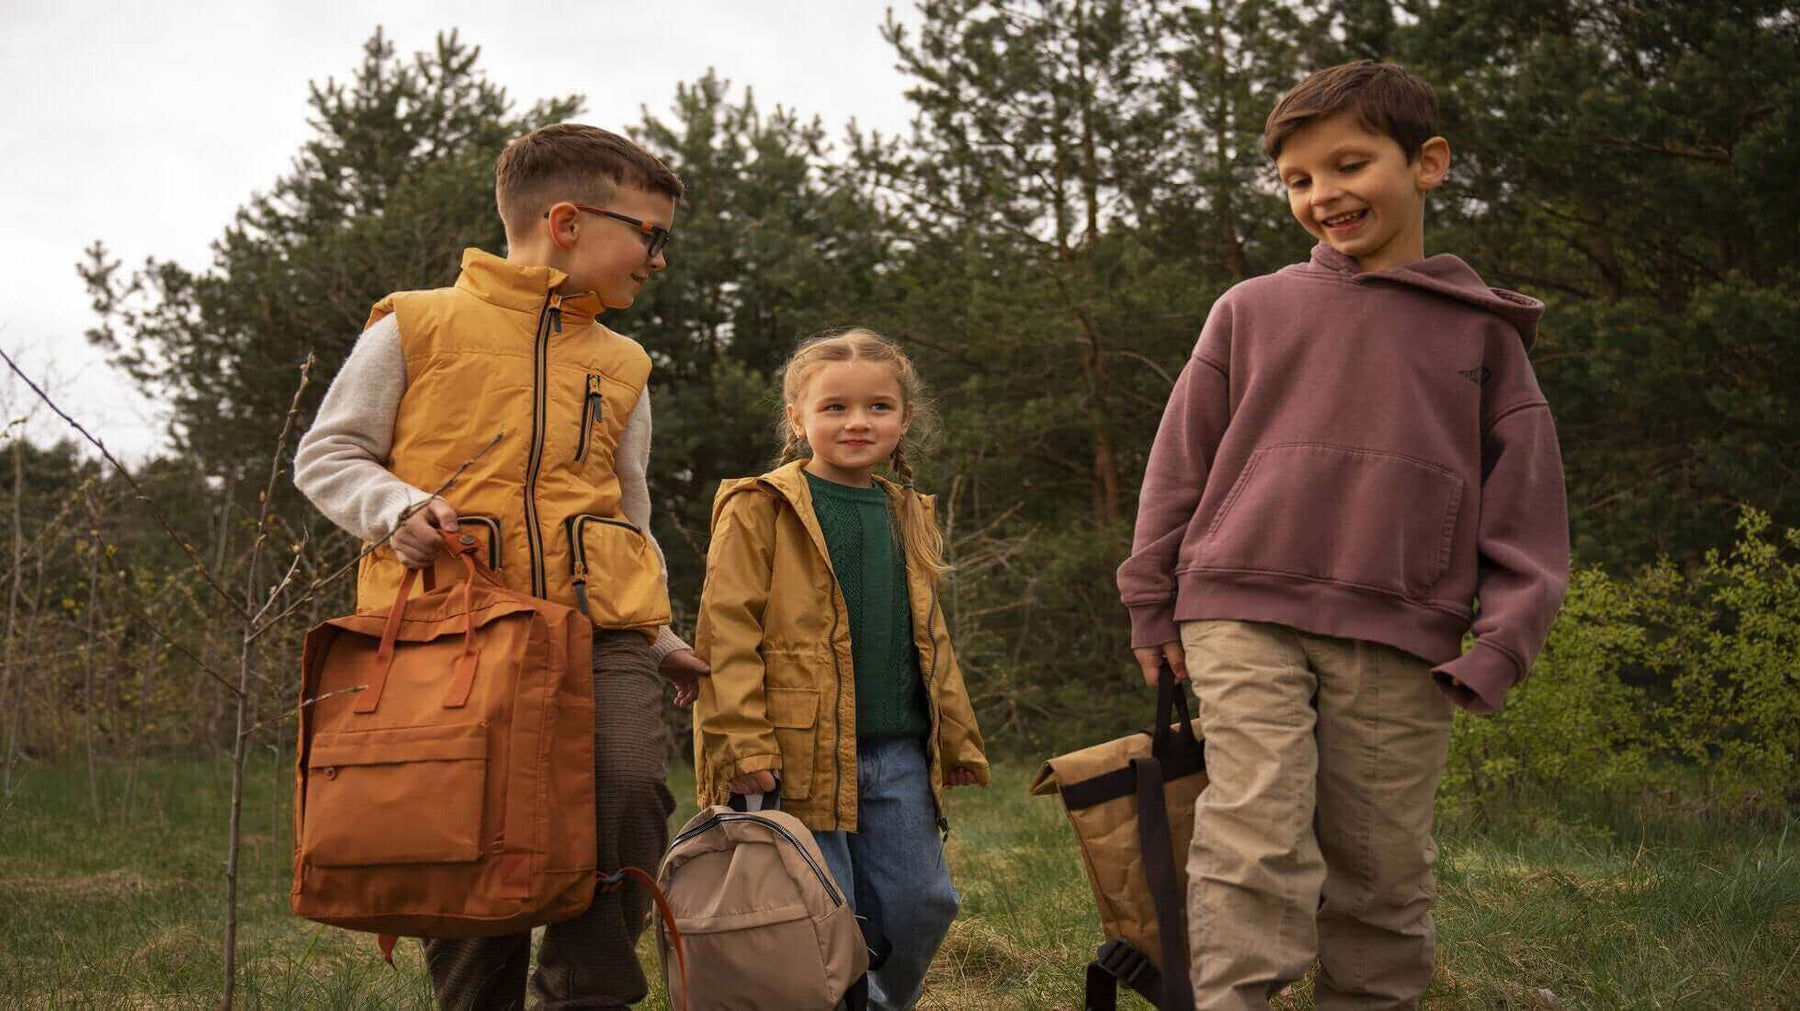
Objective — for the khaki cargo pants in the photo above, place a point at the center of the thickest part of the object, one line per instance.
(1313, 835)
(591, 960)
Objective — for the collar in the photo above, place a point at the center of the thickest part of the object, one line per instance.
(525, 288)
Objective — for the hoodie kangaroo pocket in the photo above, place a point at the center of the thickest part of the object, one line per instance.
(1377, 520)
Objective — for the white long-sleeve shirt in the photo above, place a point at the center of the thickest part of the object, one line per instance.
(339, 462)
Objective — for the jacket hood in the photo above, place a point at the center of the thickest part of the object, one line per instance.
(1446, 275)
(789, 481)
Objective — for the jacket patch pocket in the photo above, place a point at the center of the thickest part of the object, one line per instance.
(1377, 520)
(794, 712)
(617, 575)
(406, 795)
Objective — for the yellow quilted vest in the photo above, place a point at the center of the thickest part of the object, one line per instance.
(502, 353)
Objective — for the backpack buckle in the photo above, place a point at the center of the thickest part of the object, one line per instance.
(1124, 963)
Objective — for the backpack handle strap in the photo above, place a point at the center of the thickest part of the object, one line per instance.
(1171, 702)
(616, 880)
(461, 547)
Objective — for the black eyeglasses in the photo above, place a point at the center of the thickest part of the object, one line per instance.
(656, 237)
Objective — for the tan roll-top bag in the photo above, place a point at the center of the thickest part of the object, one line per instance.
(445, 781)
(1131, 803)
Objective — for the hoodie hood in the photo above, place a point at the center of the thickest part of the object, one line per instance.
(1446, 275)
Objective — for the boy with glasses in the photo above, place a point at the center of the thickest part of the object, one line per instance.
(515, 348)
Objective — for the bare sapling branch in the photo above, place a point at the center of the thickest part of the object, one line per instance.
(136, 489)
(233, 849)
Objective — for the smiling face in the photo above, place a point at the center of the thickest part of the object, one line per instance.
(607, 256)
(1356, 190)
(852, 414)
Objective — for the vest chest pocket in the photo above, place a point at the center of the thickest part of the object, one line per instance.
(593, 413)
(616, 574)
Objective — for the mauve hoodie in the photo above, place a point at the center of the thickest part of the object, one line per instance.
(1362, 455)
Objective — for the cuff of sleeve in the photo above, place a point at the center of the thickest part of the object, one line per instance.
(979, 768)
(1153, 624)
(667, 642)
(748, 764)
(1486, 674)
(406, 498)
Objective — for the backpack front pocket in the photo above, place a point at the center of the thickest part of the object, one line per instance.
(1376, 520)
(404, 795)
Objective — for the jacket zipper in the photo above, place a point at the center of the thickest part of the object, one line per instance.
(932, 705)
(578, 570)
(549, 321)
(824, 878)
(592, 409)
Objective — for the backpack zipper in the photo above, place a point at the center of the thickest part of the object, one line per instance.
(824, 878)
(593, 407)
(578, 570)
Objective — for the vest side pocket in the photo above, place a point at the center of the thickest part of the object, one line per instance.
(615, 573)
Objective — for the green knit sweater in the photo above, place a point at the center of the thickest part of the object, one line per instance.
(871, 569)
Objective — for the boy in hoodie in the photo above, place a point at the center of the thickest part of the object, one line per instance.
(559, 504)
(1355, 456)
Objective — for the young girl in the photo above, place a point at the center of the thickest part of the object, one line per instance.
(832, 670)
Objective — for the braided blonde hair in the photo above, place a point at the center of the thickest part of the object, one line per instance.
(919, 535)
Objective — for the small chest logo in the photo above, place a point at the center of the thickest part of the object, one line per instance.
(1478, 375)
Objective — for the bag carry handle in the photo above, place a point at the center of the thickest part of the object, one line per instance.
(461, 547)
(617, 880)
(1171, 701)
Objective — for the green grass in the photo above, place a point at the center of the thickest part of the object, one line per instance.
(1594, 906)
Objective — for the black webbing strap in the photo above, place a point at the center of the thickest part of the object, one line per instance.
(1159, 872)
(1173, 991)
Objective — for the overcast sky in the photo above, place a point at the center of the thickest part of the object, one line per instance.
(147, 125)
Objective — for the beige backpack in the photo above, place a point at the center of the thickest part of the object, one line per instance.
(764, 923)
(1131, 803)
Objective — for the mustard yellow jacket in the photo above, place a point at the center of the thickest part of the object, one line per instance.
(774, 628)
(503, 353)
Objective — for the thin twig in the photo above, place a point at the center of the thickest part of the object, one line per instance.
(297, 710)
(234, 848)
(319, 584)
(136, 489)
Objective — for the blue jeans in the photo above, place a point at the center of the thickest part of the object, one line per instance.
(895, 862)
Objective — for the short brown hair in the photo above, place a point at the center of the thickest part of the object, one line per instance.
(569, 161)
(1386, 97)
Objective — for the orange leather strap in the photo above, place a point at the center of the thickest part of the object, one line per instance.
(384, 655)
(616, 880)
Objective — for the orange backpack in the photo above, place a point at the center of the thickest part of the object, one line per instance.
(445, 773)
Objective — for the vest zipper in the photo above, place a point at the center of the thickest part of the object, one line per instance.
(578, 570)
(592, 410)
(824, 878)
(549, 320)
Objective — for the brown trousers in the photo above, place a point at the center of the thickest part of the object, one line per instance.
(1313, 835)
(591, 960)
